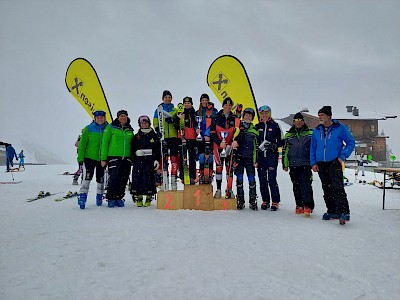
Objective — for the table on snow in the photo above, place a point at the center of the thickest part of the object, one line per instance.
(385, 171)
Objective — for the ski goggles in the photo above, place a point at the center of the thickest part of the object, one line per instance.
(144, 119)
(264, 108)
(298, 120)
(99, 113)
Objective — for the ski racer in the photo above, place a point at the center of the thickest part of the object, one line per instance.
(146, 153)
(269, 140)
(246, 158)
(116, 153)
(89, 151)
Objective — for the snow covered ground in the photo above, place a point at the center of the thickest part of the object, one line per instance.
(54, 250)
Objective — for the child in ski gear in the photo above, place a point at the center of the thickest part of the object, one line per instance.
(146, 153)
(269, 140)
(224, 122)
(204, 149)
(89, 150)
(246, 158)
(21, 157)
(237, 110)
(170, 135)
(296, 160)
(361, 163)
(10, 154)
(188, 131)
(331, 144)
(116, 153)
(78, 173)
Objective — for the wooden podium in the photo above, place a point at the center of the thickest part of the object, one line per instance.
(198, 197)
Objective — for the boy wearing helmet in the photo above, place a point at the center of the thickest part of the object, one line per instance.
(246, 158)
(146, 154)
(269, 140)
(89, 149)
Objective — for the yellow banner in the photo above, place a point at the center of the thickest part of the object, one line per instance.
(83, 83)
(227, 77)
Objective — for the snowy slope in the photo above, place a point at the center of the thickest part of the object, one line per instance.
(54, 250)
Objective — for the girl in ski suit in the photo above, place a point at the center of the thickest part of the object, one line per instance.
(116, 153)
(246, 158)
(269, 140)
(206, 112)
(187, 124)
(146, 153)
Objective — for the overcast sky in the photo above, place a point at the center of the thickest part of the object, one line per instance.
(297, 54)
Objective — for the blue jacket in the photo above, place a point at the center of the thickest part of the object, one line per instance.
(330, 146)
(204, 129)
(10, 153)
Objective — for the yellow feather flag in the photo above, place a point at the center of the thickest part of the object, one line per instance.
(227, 77)
(84, 84)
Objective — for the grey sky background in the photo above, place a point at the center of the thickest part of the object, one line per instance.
(297, 54)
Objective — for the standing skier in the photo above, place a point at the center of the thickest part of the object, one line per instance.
(21, 157)
(296, 159)
(145, 149)
(188, 132)
(222, 130)
(246, 158)
(89, 151)
(116, 153)
(206, 112)
(10, 154)
(269, 139)
(170, 135)
(331, 144)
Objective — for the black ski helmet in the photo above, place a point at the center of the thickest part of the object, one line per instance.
(144, 118)
(249, 111)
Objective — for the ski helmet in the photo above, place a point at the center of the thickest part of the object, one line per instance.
(144, 119)
(98, 113)
(249, 111)
(264, 108)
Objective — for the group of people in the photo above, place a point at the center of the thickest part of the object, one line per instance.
(227, 138)
(10, 154)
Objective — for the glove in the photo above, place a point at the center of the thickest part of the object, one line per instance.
(139, 153)
(156, 165)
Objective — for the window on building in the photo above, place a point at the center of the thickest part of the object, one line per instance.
(372, 128)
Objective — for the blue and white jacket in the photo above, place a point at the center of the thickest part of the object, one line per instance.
(335, 142)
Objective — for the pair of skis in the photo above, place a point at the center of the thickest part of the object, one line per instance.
(164, 149)
(186, 174)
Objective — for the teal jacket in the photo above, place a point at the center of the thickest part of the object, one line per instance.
(90, 142)
(117, 140)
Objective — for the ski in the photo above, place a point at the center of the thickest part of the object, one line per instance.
(186, 174)
(41, 195)
(68, 195)
(228, 192)
(10, 182)
(164, 150)
(206, 171)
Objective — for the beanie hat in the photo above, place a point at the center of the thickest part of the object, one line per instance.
(166, 93)
(298, 116)
(122, 112)
(187, 99)
(326, 110)
(204, 96)
(227, 100)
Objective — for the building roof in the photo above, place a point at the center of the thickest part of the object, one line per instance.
(340, 113)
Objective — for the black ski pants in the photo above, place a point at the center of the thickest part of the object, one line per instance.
(301, 177)
(90, 165)
(267, 173)
(335, 197)
(118, 173)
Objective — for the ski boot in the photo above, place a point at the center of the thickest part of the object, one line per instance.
(99, 199)
(275, 206)
(240, 203)
(229, 194)
(82, 197)
(139, 201)
(217, 193)
(120, 202)
(148, 200)
(299, 210)
(111, 203)
(344, 218)
(330, 216)
(253, 195)
(253, 205)
(307, 211)
(265, 205)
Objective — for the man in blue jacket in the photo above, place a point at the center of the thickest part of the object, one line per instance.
(331, 144)
(10, 153)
